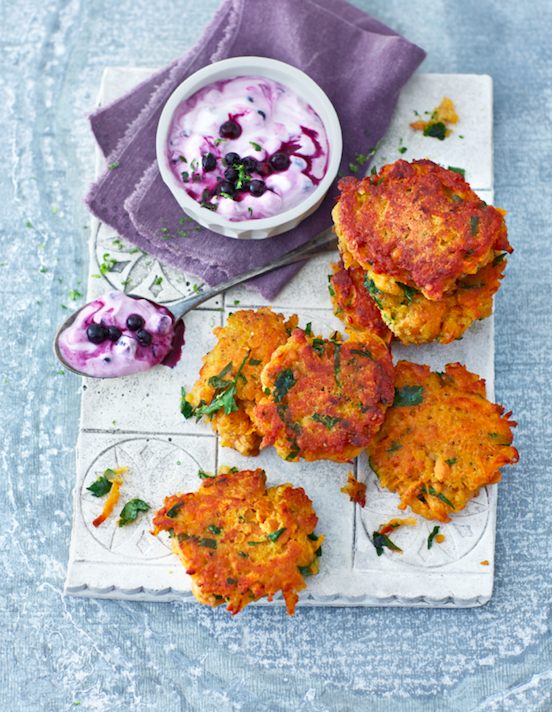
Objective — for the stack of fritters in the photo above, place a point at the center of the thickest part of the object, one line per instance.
(247, 341)
(240, 542)
(432, 252)
(441, 440)
(325, 399)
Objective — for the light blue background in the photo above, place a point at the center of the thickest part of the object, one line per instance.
(111, 655)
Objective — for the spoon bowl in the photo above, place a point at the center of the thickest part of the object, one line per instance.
(322, 243)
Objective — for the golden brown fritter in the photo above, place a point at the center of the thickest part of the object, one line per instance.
(353, 304)
(441, 440)
(414, 319)
(240, 542)
(417, 224)
(247, 341)
(324, 399)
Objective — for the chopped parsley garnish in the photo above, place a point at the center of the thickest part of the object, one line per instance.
(102, 485)
(437, 130)
(403, 149)
(255, 146)
(254, 362)
(451, 461)
(498, 259)
(225, 399)
(174, 509)
(362, 352)
(395, 445)
(318, 345)
(409, 395)
(330, 288)
(231, 580)
(305, 571)
(373, 291)
(185, 407)
(474, 224)
(283, 382)
(113, 165)
(308, 329)
(457, 170)
(210, 543)
(294, 452)
(326, 420)
(433, 492)
(273, 536)
(337, 363)
(432, 536)
(185, 175)
(214, 529)
(409, 292)
(130, 511)
(381, 540)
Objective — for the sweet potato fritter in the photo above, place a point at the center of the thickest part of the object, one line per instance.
(353, 304)
(240, 542)
(324, 399)
(441, 440)
(249, 338)
(417, 224)
(415, 319)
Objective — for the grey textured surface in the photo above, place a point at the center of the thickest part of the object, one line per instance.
(114, 655)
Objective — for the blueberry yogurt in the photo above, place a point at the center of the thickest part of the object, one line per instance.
(116, 335)
(247, 147)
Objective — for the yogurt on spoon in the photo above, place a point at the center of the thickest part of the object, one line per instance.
(117, 335)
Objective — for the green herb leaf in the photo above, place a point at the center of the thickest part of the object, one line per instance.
(432, 536)
(362, 352)
(312, 537)
(130, 511)
(231, 580)
(474, 224)
(305, 571)
(217, 381)
(174, 509)
(409, 292)
(373, 291)
(214, 529)
(210, 543)
(337, 363)
(319, 345)
(254, 362)
(433, 492)
(381, 540)
(113, 165)
(437, 130)
(308, 329)
(294, 452)
(409, 395)
(451, 461)
(226, 398)
(498, 259)
(101, 486)
(395, 445)
(326, 420)
(185, 407)
(457, 170)
(403, 149)
(282, 384)
(255, 146)
(273, 536)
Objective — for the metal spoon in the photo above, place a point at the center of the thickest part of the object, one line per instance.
(324, 242)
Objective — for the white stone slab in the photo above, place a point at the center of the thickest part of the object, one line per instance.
(136, 421)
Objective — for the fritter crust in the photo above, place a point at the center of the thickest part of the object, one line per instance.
(353, 304)
(252, 335)
(441, 440)
(240, 542)
(414, 319)
(417, 224)
(324, 399)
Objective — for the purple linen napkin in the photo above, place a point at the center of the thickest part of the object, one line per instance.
(361, 65)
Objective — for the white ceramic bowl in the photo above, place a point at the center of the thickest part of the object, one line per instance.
(290, 77)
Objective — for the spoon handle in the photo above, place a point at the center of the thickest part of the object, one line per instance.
(321, 243)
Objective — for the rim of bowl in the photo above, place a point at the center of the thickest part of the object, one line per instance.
(284, 73)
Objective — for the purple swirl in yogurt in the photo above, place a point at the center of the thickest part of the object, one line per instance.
(116, 335)
(247, 147)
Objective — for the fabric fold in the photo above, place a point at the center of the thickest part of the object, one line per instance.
(361, 65)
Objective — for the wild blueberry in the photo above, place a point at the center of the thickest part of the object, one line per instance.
(230, 129)
(135, 322)
(279, 161)
(231, 174)
(113, 333)
(143, 337)
(257, 188)
(263, 168)
(232, 159)
(97, 333)
(225, 186)
(209, 162)
(249, 164)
